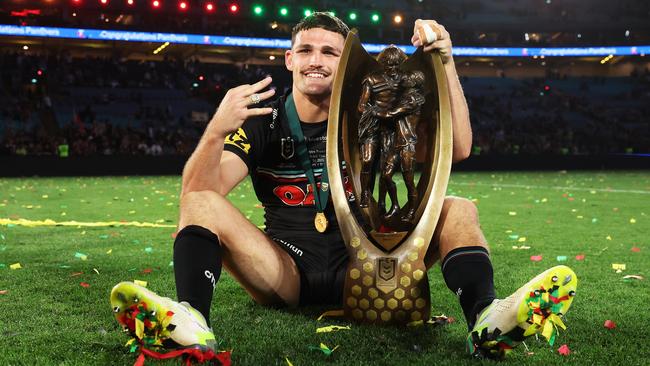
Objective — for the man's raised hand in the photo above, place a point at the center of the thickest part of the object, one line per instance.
(238, 105)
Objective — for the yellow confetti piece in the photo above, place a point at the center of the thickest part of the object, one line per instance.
(288, 362)
(544, 200)
(548, 330)
(50, 222)
(512, 213)
(522, 239)
(618, 266)
(608, 237)
(96, 271)
(109, 251)
(140, 283)
(16, 266)
(332, 328)
(632, 221)
(139, 328)
(44, 196)
(331, 313)
(557, 321)
(415, 323)
(579, 217)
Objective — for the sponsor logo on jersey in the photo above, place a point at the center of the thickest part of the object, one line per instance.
(239, 139)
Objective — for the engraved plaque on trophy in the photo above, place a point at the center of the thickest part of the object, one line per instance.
(381, 111)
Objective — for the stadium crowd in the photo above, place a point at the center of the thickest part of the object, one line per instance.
(57, 104)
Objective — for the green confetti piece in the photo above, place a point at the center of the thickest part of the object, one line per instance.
(561, 258)
(148, 250)
(514, 237)
(2, 237)
(64, 266)
(2, 265)
(81, 256)
(171, 263)
(594, 220)
(105, 236)
(136, 241)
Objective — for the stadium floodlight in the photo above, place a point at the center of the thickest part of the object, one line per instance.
(76, 2)
(130, 2)
(234, 8)
(156, 4)
(258, 10)
(209, 7)
(103, 2)
(397, 19)
(374, 17)
(284, 11)
(307, 12)
(352, 16)
(183, 5)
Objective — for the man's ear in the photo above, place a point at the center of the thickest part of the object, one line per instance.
(288, 60)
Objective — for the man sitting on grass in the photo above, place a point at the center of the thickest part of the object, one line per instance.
(291, 263)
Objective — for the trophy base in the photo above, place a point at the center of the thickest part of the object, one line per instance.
(387, 289)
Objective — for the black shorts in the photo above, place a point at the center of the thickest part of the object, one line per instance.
(322, 260)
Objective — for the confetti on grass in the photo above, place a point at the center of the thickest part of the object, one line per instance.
(332, 328)
(331, 313)
(84, 284)
(323, 348)
(49, 222)
(619, 267)
(536, 258)
(564, 350)
(16, 266)
(609, 324)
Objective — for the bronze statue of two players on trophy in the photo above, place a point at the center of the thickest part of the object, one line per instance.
(382, 111)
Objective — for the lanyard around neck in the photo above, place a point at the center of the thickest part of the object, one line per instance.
(321, 195)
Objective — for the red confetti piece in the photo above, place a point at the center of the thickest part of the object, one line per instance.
(609, 324)
(535, 258)
(85, 284)
(147, 270)
(571, 198)
(564, 350)
(3, 292)
(635, 249)
(580, 257)
(174, 235)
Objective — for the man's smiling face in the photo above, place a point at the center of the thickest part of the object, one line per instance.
(313, 60)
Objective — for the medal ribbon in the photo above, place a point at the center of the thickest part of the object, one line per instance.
(321, 195)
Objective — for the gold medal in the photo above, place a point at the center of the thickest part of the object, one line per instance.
(320, 222)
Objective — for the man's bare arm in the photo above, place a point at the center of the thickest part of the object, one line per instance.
(461, 126)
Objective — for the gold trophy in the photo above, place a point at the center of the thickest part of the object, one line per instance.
(380, 109)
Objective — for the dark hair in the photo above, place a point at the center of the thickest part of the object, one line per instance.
(320, 19)
(391, 55)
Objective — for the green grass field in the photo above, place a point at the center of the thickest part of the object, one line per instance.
(48, 318)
